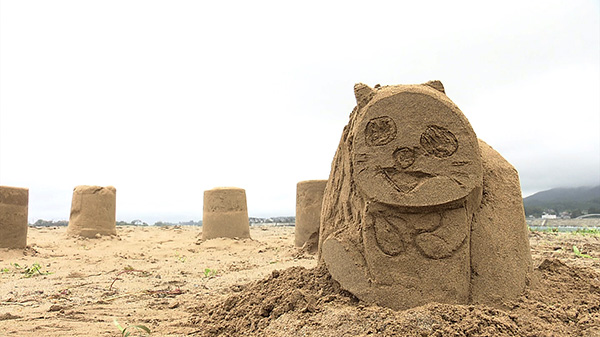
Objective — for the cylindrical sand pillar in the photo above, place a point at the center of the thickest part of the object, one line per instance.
(14, 203)
(309, 199)
(225, 213)
(93, 211)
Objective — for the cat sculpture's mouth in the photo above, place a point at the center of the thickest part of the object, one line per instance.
(405, 181)
(413, 188)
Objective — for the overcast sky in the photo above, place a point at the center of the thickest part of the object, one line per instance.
(166, 99)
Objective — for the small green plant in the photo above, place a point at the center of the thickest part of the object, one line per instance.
(210, 273)
(125, 333)
(180, 258)
(34, 270)
(4, 270)
(579, 254)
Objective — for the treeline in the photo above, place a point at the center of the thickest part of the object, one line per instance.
(59, 223)
(137, 222)
(181, 223)
(559, 210)
(277, 219)
(50, 223)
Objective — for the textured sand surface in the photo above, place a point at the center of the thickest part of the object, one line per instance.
(169, 276)
(262, 287)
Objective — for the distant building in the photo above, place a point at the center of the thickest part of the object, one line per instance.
(548, 216)
(565, 215)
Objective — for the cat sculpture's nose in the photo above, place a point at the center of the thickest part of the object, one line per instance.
(404, 157)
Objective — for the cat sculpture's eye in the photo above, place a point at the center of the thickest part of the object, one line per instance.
(380, 131)
(439, 141)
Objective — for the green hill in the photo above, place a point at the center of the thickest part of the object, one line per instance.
(573, 200)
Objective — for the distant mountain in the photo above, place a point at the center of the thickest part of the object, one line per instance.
(577, 200)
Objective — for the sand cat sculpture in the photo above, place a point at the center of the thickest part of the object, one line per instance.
(417, 209)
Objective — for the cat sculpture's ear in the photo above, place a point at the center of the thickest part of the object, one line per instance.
(363, 94)
(437, 85)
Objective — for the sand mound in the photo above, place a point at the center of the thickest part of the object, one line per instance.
(306, 302)
(256, 305)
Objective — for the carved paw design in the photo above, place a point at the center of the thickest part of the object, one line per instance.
(434, 246)
(447, 238)
(389, 237)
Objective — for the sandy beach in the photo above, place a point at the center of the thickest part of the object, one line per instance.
(170, 281)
